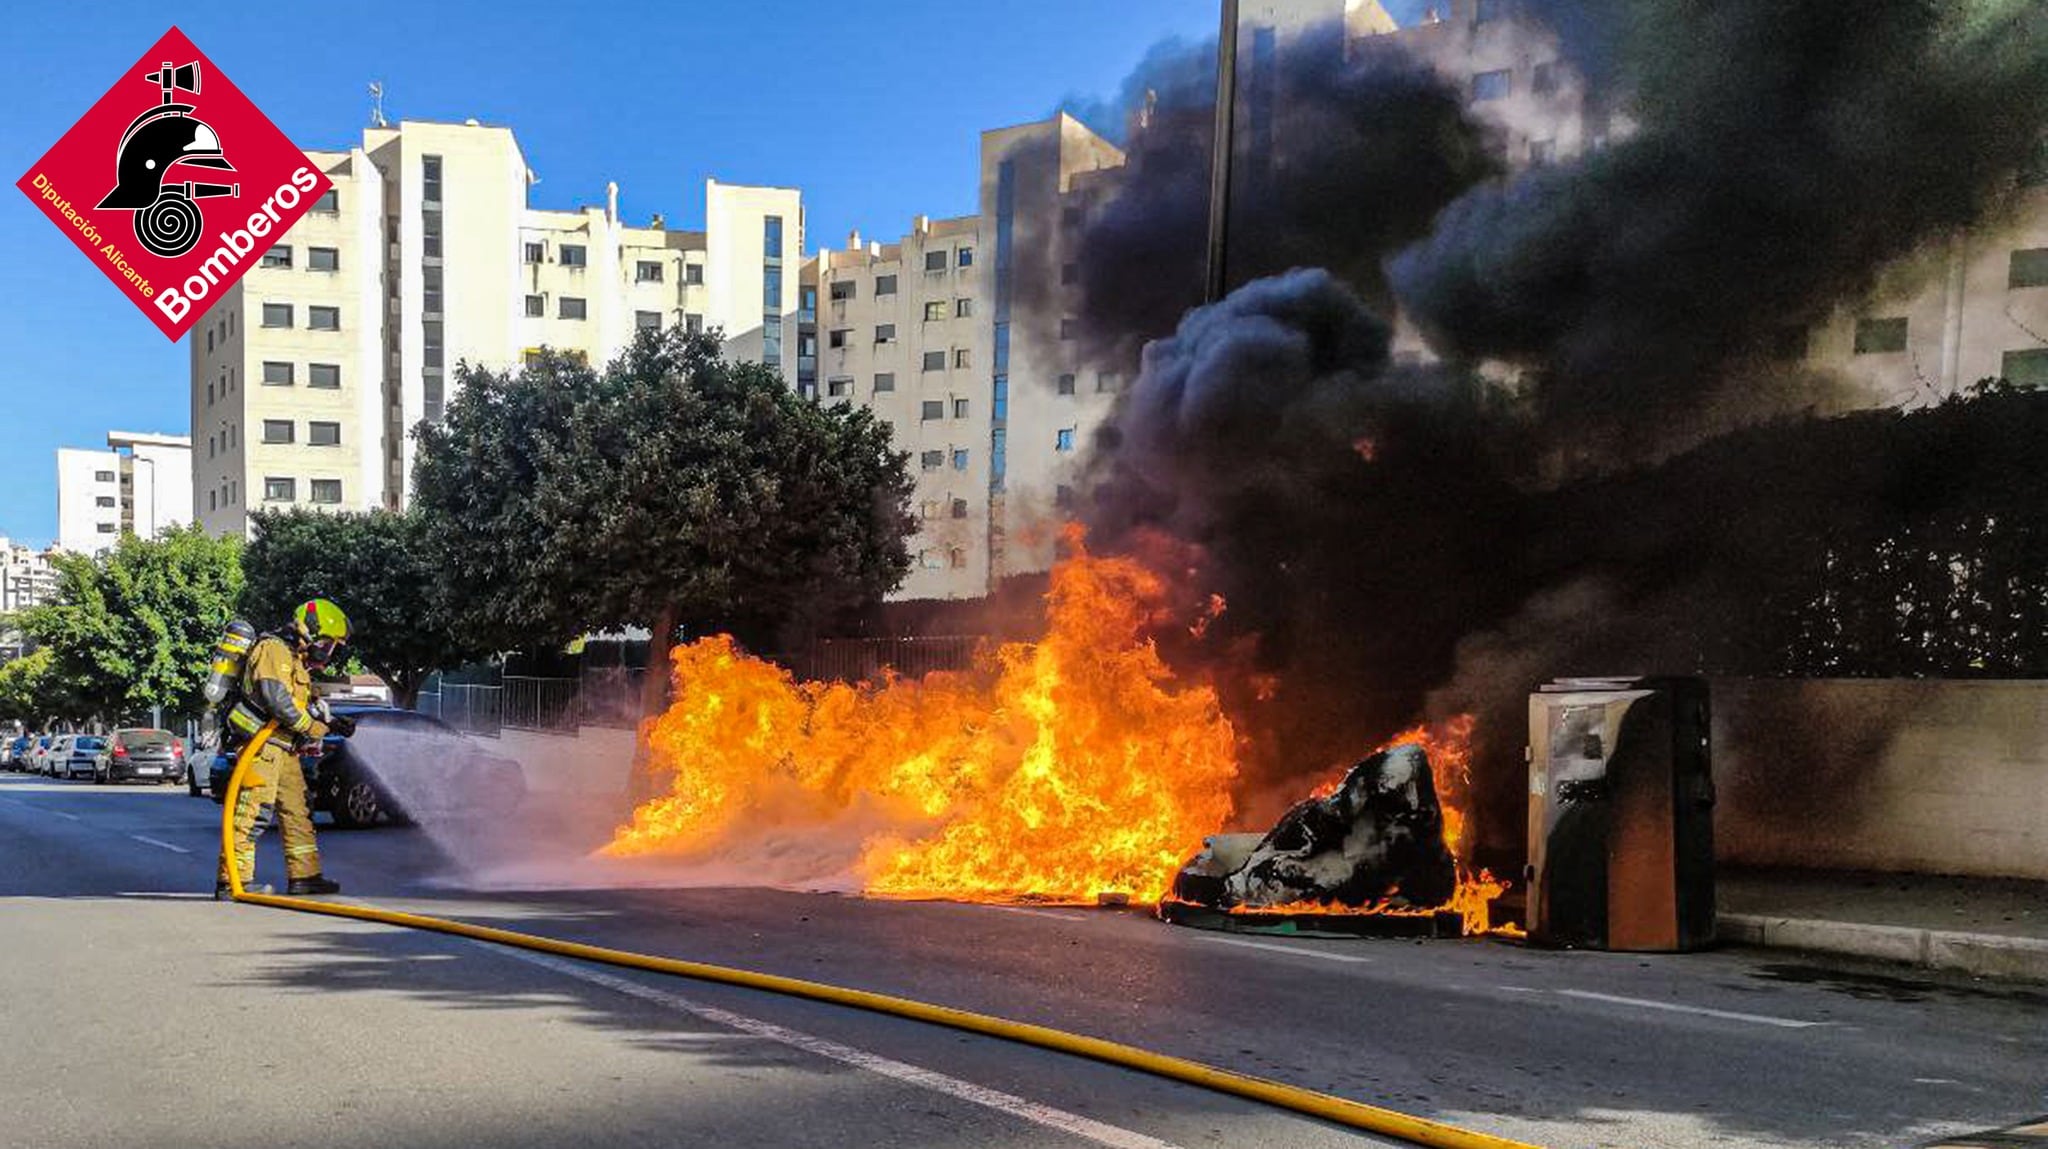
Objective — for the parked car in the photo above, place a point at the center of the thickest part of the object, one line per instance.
(446, 773)
(142, 754)
(17, 751)
(75, 755)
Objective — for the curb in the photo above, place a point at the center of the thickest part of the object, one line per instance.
(1979, 955)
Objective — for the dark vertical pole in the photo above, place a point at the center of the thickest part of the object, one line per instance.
(1220, 157)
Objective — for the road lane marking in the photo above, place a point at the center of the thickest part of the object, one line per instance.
(155, 894)
(1671, 1007)
(1280, 949)
(160, 844)
(1035, 913)
(1043, 1115)
(67, 817)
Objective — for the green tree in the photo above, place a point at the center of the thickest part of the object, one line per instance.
(30, 694)
(375, 566)
(672, 490)
(131, 628)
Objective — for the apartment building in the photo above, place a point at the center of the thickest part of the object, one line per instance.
(141, 484)
(26, 577)
(902, 330)
(309, 374)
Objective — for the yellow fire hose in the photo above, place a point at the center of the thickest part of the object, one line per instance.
(1339, 1110)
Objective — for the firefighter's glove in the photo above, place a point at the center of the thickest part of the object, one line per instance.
(342, 724)
(309, 748)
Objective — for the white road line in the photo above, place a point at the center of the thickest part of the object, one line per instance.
(1280, 949)
(1670, 1007)
(155, 894)
(1044, 1115)
(160, 845)
(1032, 912)
(67, 817)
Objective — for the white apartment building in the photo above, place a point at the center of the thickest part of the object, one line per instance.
(142, 483)
(308, 375)
(26, 577)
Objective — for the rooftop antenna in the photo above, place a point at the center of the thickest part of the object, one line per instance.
(377, 105)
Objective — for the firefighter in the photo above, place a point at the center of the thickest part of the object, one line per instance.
(278, 684)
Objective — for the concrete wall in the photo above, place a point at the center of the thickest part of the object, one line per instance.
(1906, 775)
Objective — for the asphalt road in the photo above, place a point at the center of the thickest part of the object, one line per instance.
(134, 1010)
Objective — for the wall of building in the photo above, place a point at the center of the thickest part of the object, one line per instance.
(737, 266)
(88, 499)
(1945, 777)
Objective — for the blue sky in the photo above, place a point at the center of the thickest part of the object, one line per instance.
(873, 108)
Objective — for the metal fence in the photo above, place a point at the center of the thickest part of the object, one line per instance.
(539, 704)
(470, 709)
(864, 659)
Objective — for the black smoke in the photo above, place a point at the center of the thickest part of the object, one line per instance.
(1392, 537)
(1341, 157)
(1787, 153)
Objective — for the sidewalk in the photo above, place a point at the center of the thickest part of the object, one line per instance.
(1980, 926)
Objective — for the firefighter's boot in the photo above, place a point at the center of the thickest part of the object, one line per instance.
(316, 884)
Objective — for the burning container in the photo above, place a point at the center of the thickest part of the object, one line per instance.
(1621, 807)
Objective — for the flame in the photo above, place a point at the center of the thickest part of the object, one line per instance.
(1072, 768)
(1057, 770)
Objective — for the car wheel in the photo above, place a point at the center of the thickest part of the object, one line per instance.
(354, 803)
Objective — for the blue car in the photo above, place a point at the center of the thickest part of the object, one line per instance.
(450, 775)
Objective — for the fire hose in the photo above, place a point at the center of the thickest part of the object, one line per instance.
(1328, 1107)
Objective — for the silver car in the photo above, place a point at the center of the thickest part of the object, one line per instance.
(76, 755)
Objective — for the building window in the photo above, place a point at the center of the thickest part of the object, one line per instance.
(1068, 328)
(536, 307)
(209, 392)
(646, 271)
(279, 256)
(2029, 268)
(2027, 368)
(885, 381)
(885, 285)
(430, 178)
(933, 409)
(1880, 336)
(771, 288)
(841, 290)
(836, 337)
(959, 508)
(967, 257)
(1493, 85)
(277, 430)
(771, 339)
(934, 361)
(935, 260)
(327, 491)
(959, 458)
(647, 321)
(693, 273)
(932, 460)
(321, 434)
(1064, 441)
(963, 308)
(276, 490)
(276, 374)
(934, 311)
(104, 501)
(571, 307)
(885, 333)
(536, 252)
(329, 202)
(1542, 153)
(1544, 82)
(771, 237)
(1107, 382)
(931, 560)
(323, 259)
(958, 557)
(693, 324)
(1489, 11)
(277, 315)
(1066, 385)
(212, 500)
(959, 408)
(963, 357)
(430, 246)
(430, 290)
(323, 318)
(326, 376)
(573, 255)
(839, 388)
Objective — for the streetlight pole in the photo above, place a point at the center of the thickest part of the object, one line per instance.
(1220, 154)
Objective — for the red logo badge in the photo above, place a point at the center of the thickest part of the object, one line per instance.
(174, 184)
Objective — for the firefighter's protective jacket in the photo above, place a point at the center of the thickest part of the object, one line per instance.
(279, 684)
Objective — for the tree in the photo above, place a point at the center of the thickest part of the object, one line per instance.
(130, 630)
(376, 567)
(674, 489)
(30, 694)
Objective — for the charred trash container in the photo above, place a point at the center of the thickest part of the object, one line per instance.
(1621, 815)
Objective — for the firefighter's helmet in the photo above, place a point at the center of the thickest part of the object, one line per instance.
(322, 629)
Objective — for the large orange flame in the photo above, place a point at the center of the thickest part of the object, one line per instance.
(1059, 770)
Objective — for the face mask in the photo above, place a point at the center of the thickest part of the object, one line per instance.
(322, 651)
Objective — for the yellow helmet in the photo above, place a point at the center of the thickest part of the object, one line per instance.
(322, 627)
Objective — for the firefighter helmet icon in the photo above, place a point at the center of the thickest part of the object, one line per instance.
(167, 222)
